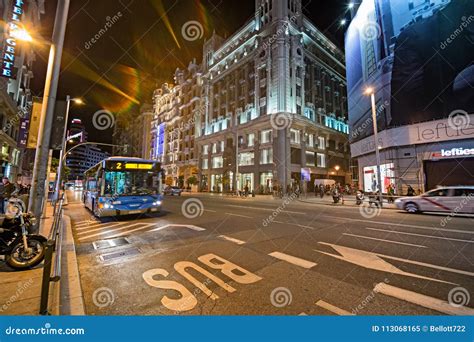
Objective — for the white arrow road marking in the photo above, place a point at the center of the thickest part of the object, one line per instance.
(371, 261)
(383, 240)
(413, 234)
(419, 263)
(196, 228)
(293, 260)
(231, 239)
(333, 309)
(422, 300)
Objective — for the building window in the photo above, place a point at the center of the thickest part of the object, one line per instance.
(310, 159)
(217, 162)
(205, 150)
(310, 140)
(266, 156)
(266, 136)
(321, 143)
(222, 146)
(321, 160)
(250, 139)
(214, 147)
(205, 164)
(246, 158)
(295, 136)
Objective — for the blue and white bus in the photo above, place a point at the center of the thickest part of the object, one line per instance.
(123, 186)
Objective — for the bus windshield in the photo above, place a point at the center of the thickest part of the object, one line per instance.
(129, 183)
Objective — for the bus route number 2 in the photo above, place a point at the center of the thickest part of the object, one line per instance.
(187, 300)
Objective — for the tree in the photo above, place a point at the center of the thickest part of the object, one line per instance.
(65, 171)
(192, 180)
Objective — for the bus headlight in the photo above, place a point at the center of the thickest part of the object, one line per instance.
(108, 206)
(157, 203)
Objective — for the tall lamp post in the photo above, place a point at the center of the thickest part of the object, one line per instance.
(371, 92)
(63, 142)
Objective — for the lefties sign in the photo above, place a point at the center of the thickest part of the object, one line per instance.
(10, 46)
(457, 152)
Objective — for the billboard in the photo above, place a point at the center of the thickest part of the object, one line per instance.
(418, 56)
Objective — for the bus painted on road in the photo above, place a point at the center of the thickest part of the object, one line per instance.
(123, 186)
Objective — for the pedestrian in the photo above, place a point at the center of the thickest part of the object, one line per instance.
(321, 190)
(410, 191)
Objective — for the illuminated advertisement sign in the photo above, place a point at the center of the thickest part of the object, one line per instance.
(370, 177)
(417, 57)
(161, 139)
(10, 43)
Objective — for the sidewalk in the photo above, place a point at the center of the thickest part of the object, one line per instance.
(21, 290)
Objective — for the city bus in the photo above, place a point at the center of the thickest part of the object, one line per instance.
(123, 186)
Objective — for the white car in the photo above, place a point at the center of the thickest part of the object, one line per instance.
(455, 199)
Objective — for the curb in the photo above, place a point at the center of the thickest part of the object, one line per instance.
(72, 299)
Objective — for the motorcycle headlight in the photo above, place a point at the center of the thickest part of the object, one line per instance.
(32, 220)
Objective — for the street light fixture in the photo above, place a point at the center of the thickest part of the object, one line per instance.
(343, 22)
(77, 101)
(370, 91)
(22, 34)
(337, 167)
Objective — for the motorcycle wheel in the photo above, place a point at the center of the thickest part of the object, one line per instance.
(20, 260)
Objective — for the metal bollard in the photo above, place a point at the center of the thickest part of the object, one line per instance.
(48, 256)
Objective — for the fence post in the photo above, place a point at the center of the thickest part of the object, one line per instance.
(48, 256)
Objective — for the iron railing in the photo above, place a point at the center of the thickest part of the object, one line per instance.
(52, 247)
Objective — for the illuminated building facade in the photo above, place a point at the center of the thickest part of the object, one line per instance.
(272, 105)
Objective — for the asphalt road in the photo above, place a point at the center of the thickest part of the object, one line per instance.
(230, 256)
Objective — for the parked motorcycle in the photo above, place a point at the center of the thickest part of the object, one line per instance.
(20, 249)
(359, 197)
(336, 196)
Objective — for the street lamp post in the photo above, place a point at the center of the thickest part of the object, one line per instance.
(63, 143)
(38, 183)
(370, 91)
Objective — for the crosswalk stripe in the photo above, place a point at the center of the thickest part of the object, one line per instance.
(383, 240)
(94, 225)
(128, 232)
(231, 239)
(267, 209)
(422, 300)
(423, 235)
(293, 260)
(333, 309)
(86, 231)
(113, 230)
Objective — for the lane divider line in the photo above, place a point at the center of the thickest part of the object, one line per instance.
(423, 235)
(293, 260)
(266, 209)
(383, 240)
(231, 239)
(422, 300)
(244, 216)
(189, 226)
(333, 309)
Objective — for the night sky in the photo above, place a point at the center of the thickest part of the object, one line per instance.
(143, 45)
